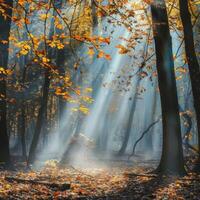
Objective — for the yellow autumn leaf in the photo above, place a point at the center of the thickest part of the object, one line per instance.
(84, 109)
(87, 99)
(88, 90)
(91, 51)
(45, 60)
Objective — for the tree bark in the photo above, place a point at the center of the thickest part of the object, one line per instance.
(60, 61)
(94, 15)
(172, 161)
(40, 119)
(42, 115)
(5, 25)
(23, 131)
(192, 61)
(22, 121)
(129, 123)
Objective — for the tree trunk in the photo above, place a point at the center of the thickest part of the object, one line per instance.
(129, 123)
(172, 161)
(23, 115)
(5, 25)
(60, 59)
(42, 115)
(94, 15)
(23, 131)
(193, 64)
(40, 119)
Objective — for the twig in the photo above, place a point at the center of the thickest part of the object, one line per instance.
(141, 175)
(57, 186)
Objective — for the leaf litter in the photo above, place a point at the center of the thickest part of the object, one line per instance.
(114, 182)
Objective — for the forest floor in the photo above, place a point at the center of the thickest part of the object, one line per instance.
(120, 181)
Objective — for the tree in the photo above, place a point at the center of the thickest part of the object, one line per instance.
(42, 115)
(5, 25)
(192, 61)
(172, 161)
(60, 61)
(128, 129)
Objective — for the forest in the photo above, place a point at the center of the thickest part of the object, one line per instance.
(100, 99)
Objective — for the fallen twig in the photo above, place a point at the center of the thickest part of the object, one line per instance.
(57, 186)
(142, 175)
(190, 179)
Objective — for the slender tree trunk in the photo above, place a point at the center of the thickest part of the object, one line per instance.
(148, 140)
(192, 63)
(129, 123)
(23, 116)
(60, 62)
(60, 59)
(131, 114)
(40, 119)
(105, 132)
(94, 15)
(42, 116)
(5, 25)
(23, 130)
(172, 161)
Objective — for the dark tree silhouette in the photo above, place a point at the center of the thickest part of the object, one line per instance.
(5, 25)
(193, 64)
(42, 115)
(172, 161)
